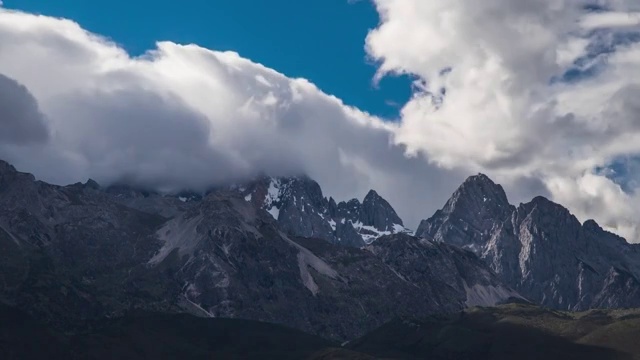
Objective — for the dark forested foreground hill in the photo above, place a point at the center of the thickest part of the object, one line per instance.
(514, 331)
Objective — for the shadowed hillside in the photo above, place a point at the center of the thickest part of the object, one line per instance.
(514, 331)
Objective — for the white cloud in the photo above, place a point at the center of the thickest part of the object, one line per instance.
(182, 115)
(502, 113)
(611, 19)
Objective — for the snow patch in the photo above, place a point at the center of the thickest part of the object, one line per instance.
(273, 197)
(369, 233)
(248, 197)
(332, 223)
(273, 192)
(275, 212)
(182, 198)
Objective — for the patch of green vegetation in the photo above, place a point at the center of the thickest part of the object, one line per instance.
(512, 331)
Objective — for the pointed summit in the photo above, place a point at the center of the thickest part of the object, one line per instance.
(377, 212)
(478, 195)
(473, 209)
(479, 178)
(92, 184)
(547, 211)
(479, 188)
(5, 167)
(372, 195)
(9, 174)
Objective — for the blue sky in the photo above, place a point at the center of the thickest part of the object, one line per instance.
(321, 40)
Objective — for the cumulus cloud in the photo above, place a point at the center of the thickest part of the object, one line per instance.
(611, 19)
(540, 95)
(543, 90)
(21, 120)
(184, 116)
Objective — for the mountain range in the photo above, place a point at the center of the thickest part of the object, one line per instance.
(75, 253)
(277, 250)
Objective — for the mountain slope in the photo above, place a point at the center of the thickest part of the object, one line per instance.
(539, 248)
(79, 252)
(144, 335)
(514, 331)
(234, 261)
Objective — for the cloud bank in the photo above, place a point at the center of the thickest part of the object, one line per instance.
(540, 95)
(184, 116)
(544, 89)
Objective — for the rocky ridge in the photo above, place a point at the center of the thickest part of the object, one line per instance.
(71, 254)
(539, 248)
(300, 208)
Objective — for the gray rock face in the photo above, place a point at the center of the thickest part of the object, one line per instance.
(75, 253)
(469, 216)
(298, 205)
(70, 253)
(377, 212)
(539, 248)
(236, 262)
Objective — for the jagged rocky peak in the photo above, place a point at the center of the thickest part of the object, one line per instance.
(592, 225)
(274, 194)
(300, 208)
(333, 207)
(92, 184)
(544, 204)
(6, 168)
(377, 212)
(74, 255)
(479, 191)
(539, 248)
(470, 213)
(8, 174)
(544, 212)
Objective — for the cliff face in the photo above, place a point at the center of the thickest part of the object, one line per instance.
(300, 209)
(539, 248)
